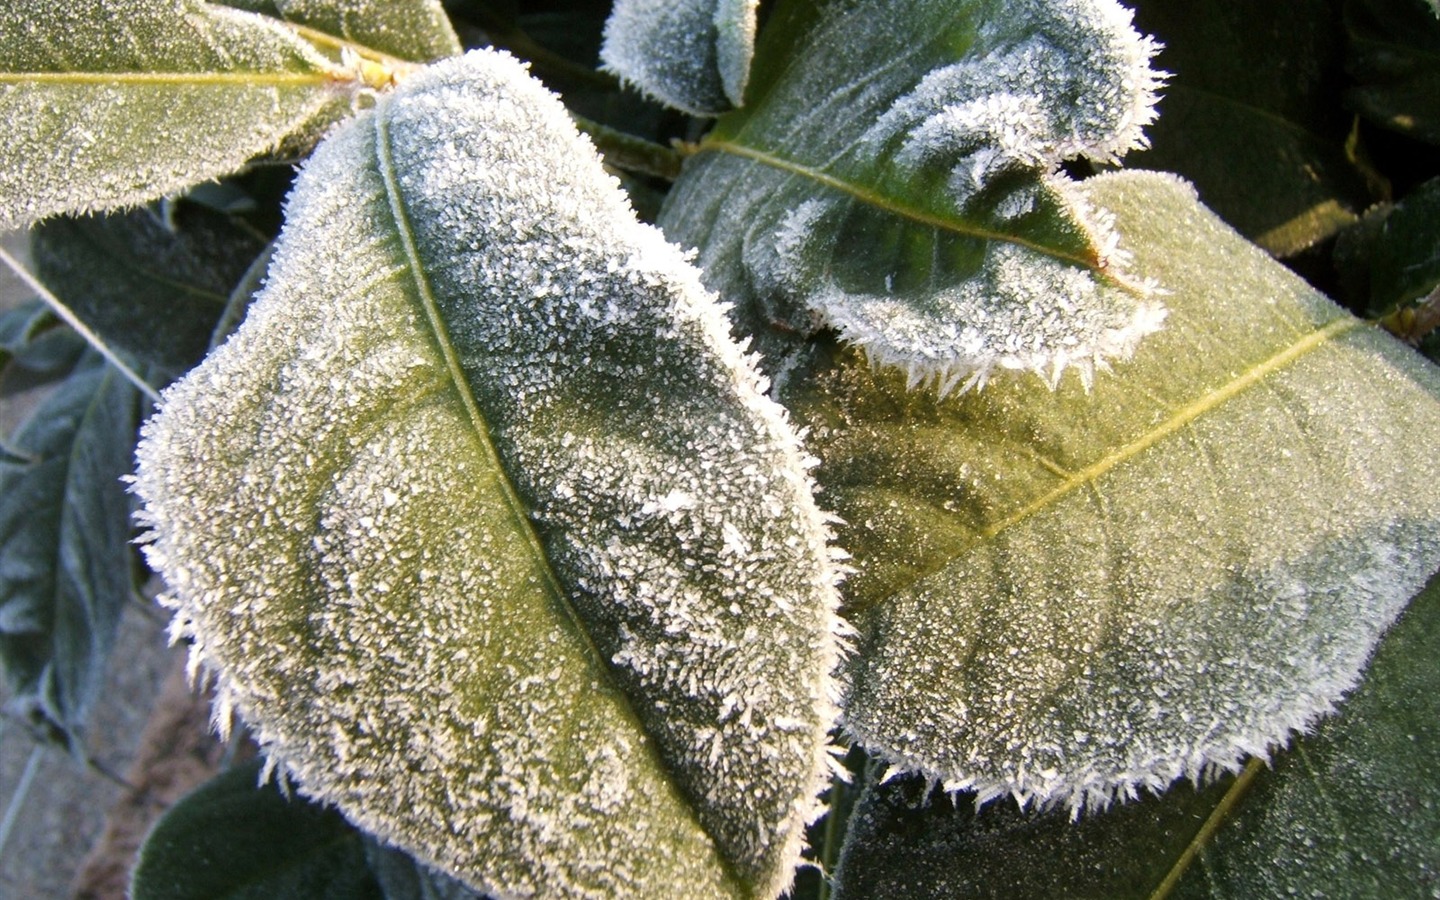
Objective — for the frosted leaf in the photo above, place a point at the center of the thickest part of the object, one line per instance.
(693, 55)
(416, 30)
(1069, 597)
(110, 103)
(486, 527)
(904, 190)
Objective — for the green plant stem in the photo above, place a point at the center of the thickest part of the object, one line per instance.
(633, 154)
(65, 313)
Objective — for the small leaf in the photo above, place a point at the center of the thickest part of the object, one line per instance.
(484, 525)
(152, 289)
(230, 838)
(1394, 46)
(112, 103)
(902, 189)
(1249, 116)
(65, 555)
(693, 55)
(1351, 810)
(1069, 596)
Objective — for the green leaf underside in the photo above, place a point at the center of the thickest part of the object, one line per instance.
(902, 190)
(1065, 596)
(65, 555)
(1350, 810)
(512, 472)
(693, 55)
(151, 289)
(112, 103)
(1395, 64)
(1249, 116)
(230, 838)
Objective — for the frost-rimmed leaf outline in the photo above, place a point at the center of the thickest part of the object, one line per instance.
(647, 569)
(917, 207)
(693, 55)
(1057, 602)
(117, 102)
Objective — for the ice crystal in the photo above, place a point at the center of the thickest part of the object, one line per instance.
(693, 55)
(485, 525)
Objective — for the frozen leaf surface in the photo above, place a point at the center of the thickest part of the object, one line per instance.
(485, 526)
(1068, 596)
(693, 55)
(110, 103)
(1352, 810)
(893, 176)
(415, 30)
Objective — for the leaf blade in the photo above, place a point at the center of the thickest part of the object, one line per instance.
(180, 92)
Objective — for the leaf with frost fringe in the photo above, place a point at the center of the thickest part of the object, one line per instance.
(693, 55)
(417, 30)
(485, 526)
(1351, 810)
(1068, 597)
(111, 103)
(903, 188)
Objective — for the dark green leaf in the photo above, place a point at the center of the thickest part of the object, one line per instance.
(153, 288)
(236, 840)
(32, 338)
(1392, 259)
(1070, 595)
(1249, 115)
(1394, 59)
(65, 554)
(1352, 810)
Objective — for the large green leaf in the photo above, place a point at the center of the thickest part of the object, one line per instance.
(111, 103)
(231, 838)
(693, 55)
(484, 525)
(65, 556)
(1395, 61)
(1352, 810)
(151, 287)
(899, 184)
(1249, 115)
(1069, 595)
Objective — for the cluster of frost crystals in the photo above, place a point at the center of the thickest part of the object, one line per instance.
(693, 55)
(1074, 81)
(487, 528)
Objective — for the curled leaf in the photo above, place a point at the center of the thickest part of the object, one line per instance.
(903, 190)
(486, 527)
(693, 55)
(112, 103)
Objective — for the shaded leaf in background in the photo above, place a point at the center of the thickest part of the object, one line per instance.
(152, 289)
(112, 103)
(66, 562)
(1352, 810)
(1249, 115)
(899, 185)
(230, 838)
(1391, 260)
(402, 877)
(1069, 595)
(416, 30)
(1394, 60)
(538, 665)
(693, 55)
(32, 338)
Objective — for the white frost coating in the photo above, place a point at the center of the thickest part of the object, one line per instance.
(639, 710)
(693, 55)
(88, 146)
(1079, 83)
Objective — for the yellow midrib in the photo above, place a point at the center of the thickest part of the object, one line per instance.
(903, 210)
(255, 79)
